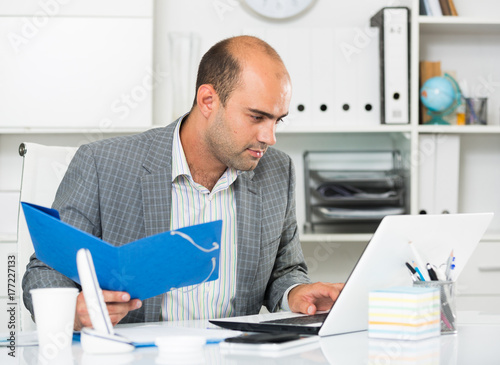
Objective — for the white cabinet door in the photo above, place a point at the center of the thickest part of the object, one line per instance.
(481, 276)
(77, 72)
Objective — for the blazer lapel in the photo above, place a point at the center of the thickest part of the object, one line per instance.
(157, 183)
(249, 215)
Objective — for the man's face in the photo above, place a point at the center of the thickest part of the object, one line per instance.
(241, 132)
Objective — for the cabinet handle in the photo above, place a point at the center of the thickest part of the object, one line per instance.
(489, 268)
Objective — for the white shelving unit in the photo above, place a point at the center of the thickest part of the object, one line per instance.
(469, 46)
(429, 34)
(458, 24)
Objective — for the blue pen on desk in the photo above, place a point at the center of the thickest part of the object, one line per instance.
(419, 273)
(209, 341)
(214, 341)
(143, 344)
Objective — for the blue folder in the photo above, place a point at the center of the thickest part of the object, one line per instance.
(144, 268)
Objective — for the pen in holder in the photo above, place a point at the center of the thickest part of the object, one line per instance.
(447, 295)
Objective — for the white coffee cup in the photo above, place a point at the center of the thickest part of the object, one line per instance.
(54, 316)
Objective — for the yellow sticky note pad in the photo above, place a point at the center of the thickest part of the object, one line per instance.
(404, 313)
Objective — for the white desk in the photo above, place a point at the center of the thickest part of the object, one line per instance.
(477, 342)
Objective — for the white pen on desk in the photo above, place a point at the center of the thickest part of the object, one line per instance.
(452, 267)
(448, 265)
(440, 275)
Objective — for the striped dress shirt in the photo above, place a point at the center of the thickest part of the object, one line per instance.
(192, 204)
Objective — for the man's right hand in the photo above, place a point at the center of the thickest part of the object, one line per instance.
(117, 302)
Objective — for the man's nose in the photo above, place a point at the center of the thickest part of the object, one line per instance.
(267, 133)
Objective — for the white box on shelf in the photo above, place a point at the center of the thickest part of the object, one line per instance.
(439, 164)
(78, 73)
(36, 10)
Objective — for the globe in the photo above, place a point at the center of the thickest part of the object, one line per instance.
(441, 95)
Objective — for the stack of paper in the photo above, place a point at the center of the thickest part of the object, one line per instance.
(404, 313)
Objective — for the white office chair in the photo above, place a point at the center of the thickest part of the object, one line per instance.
(43, 170)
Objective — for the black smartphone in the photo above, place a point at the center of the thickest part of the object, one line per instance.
(268, 344)
(260, 338)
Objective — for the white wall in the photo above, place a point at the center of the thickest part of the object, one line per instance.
(301, 42)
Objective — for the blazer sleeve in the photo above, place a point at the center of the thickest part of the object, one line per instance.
(289, 267)
(75, 200)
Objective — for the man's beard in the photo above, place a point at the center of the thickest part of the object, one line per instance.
(222, 147)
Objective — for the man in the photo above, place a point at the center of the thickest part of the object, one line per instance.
(213, 163)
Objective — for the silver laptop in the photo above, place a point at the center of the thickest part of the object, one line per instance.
(382, 265)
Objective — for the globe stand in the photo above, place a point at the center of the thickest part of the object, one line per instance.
(437, 119)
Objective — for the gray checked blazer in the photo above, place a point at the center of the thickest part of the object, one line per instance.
(120, 189)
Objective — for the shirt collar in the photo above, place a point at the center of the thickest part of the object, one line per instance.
(179, 162)
(181, 167)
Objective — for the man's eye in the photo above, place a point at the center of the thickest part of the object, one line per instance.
(257, 117)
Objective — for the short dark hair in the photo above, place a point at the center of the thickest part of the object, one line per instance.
(219, 68)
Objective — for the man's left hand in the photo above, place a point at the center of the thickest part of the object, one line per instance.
(309, 298)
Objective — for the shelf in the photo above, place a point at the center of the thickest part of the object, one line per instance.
(446, 20)
(493, 236)
(76, 130)
(312, 238)
(380, 128)
(458, 25)
(459, 129)
(340, 238)
(8, 238)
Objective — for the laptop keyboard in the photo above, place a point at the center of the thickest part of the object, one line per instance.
(303, 320)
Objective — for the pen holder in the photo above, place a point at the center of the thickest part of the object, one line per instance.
(476, 110)
(447, 296)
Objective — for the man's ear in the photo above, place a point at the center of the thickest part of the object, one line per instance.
(207, 99)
